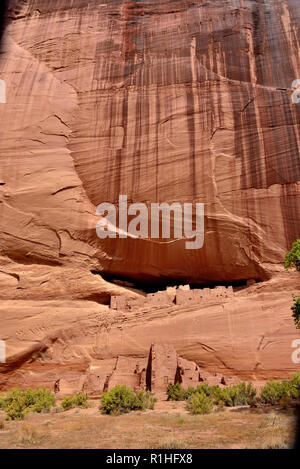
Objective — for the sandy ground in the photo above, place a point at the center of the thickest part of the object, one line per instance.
(167, 426)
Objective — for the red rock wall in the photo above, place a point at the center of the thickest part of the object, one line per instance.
(162, 101)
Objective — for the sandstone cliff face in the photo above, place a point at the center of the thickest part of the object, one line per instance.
(79, 342)
(163, 101)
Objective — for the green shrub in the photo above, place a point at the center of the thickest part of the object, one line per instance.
(144, 400)
(78, 400)
(292, 258)
(67, 403)
(16, 409)
(238, 394)
(296, 310)
(199, 403)
(295, 385)
(118, 400)
(189, 392)
(230, 397)
(18, 402)
(121, 399)
(2, 403)
(10, 396)
(39, 400)
(175, 392)
(214, 392)
(275, 392)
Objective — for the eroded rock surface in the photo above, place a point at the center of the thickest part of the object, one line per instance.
(249, 335)
(161, 101)
(186, 101)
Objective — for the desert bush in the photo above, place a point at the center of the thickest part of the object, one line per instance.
(10, 396)
(78, 400)
(67, 403)
(18, 402)
(285, 403)
(292, 386)
(199, 403)
(118, 400)
(2, 403)
(39, 400)
(296, 310)
(144, 400)
(16, 409)
(189, 392)
(230, 397)
(211, 391)
(276, 392)
(237, 394)
(292, 258)
(121, 399)
(175, 392)
(295, 385)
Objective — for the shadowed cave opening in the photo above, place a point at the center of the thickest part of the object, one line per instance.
(154, 285)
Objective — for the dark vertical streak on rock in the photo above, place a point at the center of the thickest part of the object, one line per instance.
(191, 131)
(137, 145)
(157, 145)
(123, 151)
(239, 150)
(290, 213)
(254, 146)
(146, 130)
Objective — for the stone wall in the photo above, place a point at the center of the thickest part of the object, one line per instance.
(127, 371)
(162, 366)
(197, 296)
(179, 296)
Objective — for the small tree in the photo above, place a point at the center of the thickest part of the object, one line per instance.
(296, 310)
(292, 258)
(199, 403)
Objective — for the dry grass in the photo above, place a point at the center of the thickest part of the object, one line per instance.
(164, 428)
(275, 436)
(170, 444)
(29, 436)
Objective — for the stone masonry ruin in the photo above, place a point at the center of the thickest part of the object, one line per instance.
(180, 296)
(162, 366)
